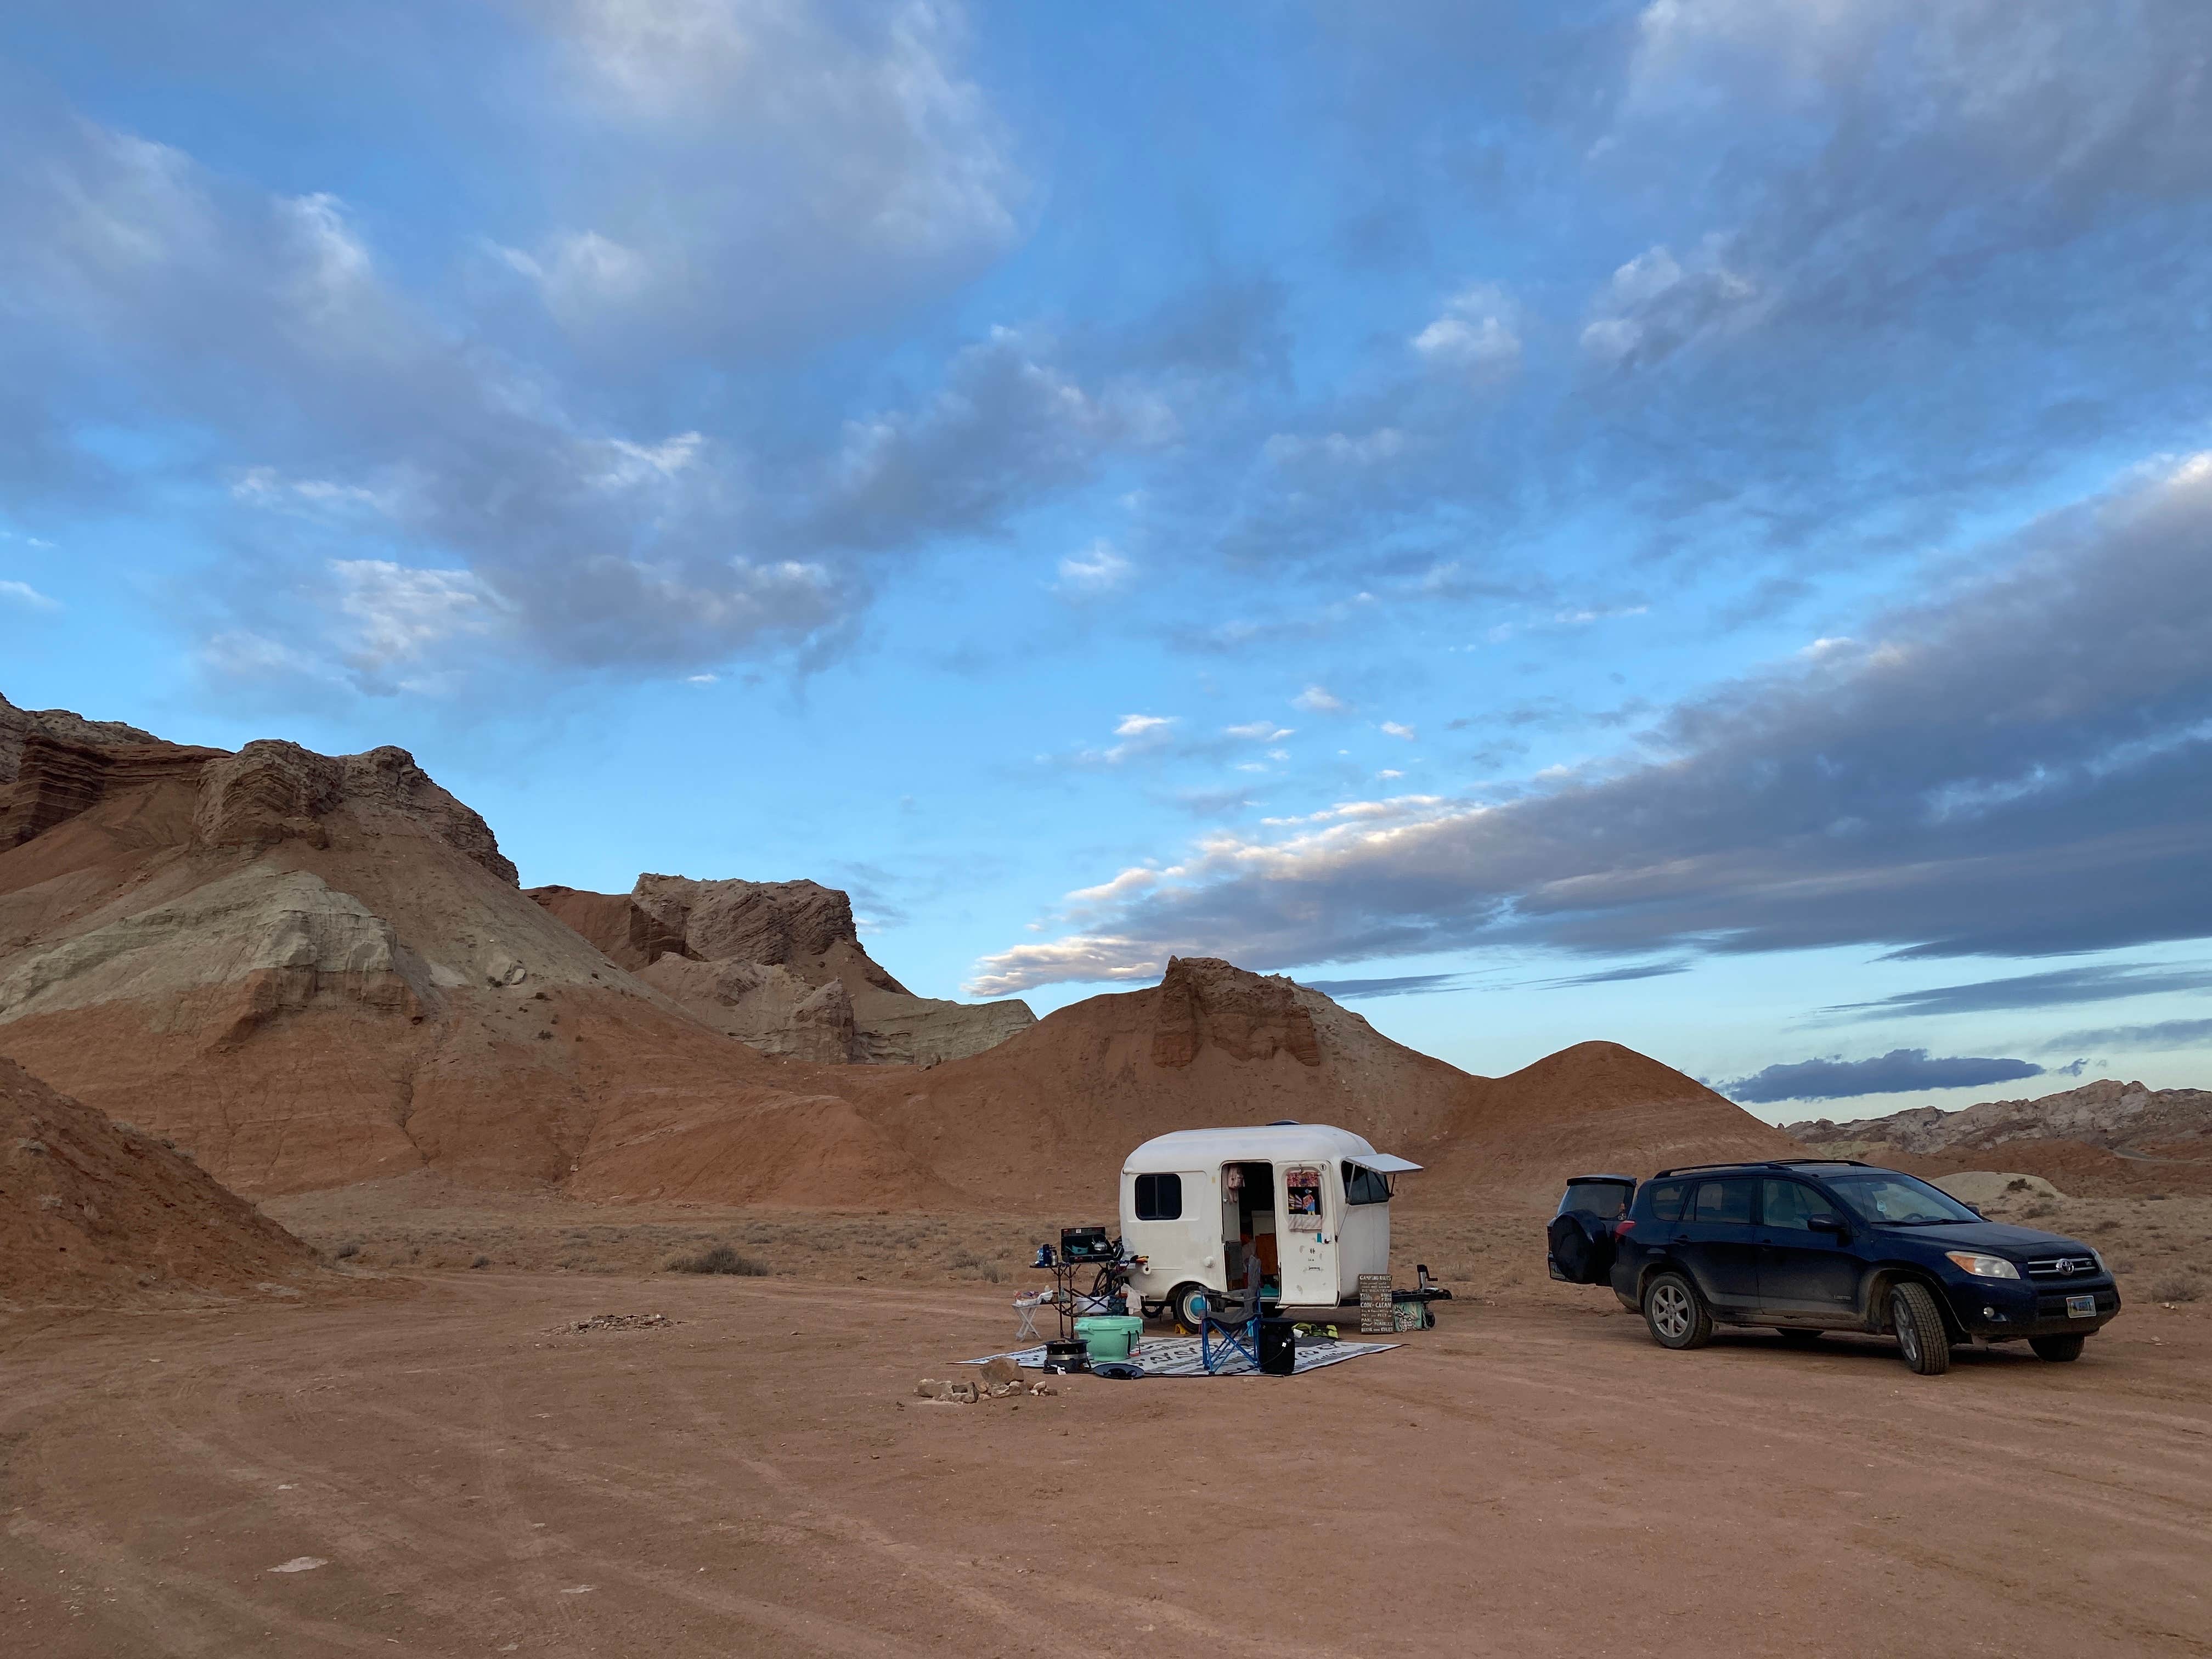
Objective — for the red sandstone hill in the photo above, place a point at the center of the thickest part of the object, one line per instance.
(1052, 1113)
(94, 1213)
(314, 970)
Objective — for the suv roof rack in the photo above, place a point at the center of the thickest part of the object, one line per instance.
(1760, 1163)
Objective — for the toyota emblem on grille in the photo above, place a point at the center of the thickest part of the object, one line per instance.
(2064, 1265)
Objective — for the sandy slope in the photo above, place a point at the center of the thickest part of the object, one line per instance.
(93, 1213)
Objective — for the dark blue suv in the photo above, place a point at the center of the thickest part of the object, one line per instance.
(1827, 1245)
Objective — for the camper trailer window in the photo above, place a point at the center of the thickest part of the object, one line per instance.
(1160, 1198)
(1365, 1185)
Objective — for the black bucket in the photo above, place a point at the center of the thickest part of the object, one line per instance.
(1066, 1356)
(1279, 1346)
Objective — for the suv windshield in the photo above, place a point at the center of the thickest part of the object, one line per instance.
(1890, 1199)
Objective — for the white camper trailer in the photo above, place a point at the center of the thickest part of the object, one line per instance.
(1311, 1202)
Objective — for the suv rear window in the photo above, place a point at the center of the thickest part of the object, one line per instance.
(1606, 1199)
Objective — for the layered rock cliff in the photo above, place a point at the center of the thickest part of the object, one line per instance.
(779, 965)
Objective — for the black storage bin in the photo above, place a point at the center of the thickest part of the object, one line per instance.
(1279, 1346)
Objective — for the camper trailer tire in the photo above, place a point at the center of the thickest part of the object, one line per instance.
(1676, 1313)
(1186, 1307)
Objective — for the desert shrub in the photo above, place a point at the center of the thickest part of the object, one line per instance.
(2177, 1287)
(2041, 1207)
(719, 1259)
(349, 1248)
(481, 1261)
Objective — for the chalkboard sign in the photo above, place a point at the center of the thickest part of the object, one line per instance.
(1376, 1317)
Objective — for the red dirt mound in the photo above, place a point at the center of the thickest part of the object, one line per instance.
(1596, 1107)
(1050, 1115)
(94, 1212)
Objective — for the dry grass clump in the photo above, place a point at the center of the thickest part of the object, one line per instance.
(2177, 1287)
(719, 1259)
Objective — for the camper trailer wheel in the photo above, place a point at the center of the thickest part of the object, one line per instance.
(1183, 1306)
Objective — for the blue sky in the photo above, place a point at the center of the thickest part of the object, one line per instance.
(1683, 522)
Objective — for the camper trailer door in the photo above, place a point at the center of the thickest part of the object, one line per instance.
(1306, 1238)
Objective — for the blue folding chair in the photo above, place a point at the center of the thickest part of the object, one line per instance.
(1234, 1328)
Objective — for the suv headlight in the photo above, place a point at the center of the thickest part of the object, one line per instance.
(1982, 1266)
(2103, 1266)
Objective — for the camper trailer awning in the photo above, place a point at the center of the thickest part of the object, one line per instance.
(1381, 1162)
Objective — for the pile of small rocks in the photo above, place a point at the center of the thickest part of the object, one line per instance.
(619, 1322)
(996, 1379)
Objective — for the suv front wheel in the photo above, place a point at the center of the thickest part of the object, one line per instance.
(1676, 1313)
(1921, 1338)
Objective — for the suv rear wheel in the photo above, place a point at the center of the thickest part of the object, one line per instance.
(1921, 1338)
(2055, 1347)
(1676, 1313)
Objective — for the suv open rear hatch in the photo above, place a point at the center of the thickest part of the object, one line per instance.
(1579, 1241)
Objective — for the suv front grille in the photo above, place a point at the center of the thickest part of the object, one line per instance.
(2062, 1267)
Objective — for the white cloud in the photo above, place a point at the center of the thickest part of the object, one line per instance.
(266, 487)
(1653, 305)
(1393, 729)
(1384, 443)
(1318, 700)
(1137, 726)
(1095, 957)
(397, 614)
(702, 679)
(1478, 336)
(1095, 572)
(617, 464)
(757, 162)
(24, 594)
(1259, 731)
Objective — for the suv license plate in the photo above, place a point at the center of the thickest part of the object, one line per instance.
(2080, 1307)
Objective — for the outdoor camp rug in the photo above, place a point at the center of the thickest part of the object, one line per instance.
(1178, 1356)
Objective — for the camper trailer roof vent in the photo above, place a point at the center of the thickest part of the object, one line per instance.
(1282, 1123)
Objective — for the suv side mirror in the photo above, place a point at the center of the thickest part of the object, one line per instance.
(1827, 1223)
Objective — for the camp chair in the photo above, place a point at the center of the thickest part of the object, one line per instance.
(1234, 1326)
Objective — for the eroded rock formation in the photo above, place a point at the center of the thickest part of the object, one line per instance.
(780, 966)
(2105, 1113)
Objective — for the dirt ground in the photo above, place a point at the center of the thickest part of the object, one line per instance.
(1482, 1245)
(469, 1474)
